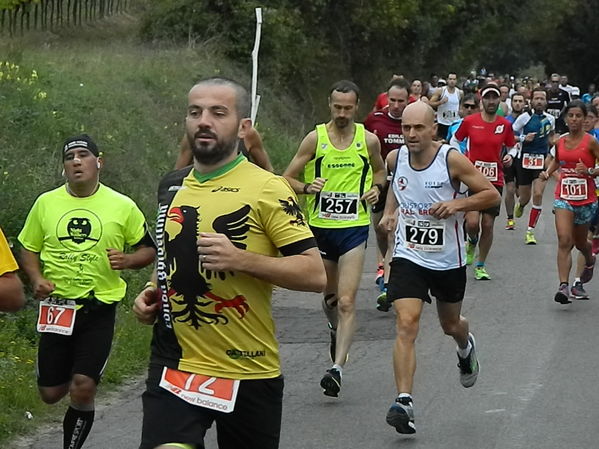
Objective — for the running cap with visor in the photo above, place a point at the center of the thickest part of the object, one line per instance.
(490, 88)
(82, 141)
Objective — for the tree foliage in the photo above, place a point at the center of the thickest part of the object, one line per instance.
(368, 40)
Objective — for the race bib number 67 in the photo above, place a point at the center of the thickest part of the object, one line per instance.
(204, 391)
(57, 316)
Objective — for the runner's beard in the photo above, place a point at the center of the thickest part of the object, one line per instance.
(213, 152)
(341, 122)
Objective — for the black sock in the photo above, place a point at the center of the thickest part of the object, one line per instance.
(76, 426)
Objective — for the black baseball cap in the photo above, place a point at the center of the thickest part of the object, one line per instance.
(81, 141)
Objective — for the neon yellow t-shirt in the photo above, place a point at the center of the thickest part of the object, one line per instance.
(72, 235)
(220, 324)
(8, 263)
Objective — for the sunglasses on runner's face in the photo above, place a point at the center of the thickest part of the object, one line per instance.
(469, 106)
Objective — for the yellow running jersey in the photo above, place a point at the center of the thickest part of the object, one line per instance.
(348, 175)
(220, 323)
(72, 235)
(8, 263)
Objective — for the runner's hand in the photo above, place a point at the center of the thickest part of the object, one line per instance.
(530, 137)
(118, 259)
(217, 252)
(444, 209)
(42, 288)
(581, 169)
(146, 305)
(388, 223)
(316, 185)
(372, 196)
(507, 160)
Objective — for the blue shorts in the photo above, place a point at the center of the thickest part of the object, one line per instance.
(334, 243)
(582, 214)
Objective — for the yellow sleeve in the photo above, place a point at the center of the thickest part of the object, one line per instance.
(283, 219)
(8, 263)
(135, 226)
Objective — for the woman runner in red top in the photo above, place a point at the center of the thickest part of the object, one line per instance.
(575, 200)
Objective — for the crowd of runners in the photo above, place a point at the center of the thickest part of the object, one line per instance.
(426, 171)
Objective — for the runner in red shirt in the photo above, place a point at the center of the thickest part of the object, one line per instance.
(487, 134)
(575, 201)
(386, 125)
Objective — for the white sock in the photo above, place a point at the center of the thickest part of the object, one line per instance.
(576, 280)
(404, 395)
(463, 353)
(338, 368)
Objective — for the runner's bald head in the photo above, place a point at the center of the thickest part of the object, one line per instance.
(419, 112)
(242, 97)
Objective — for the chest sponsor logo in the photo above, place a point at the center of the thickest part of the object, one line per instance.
(394, 139)
(499, 129)
(226, 189)
(433, 184)
(239, 354)
(79, 230)
(402, 183)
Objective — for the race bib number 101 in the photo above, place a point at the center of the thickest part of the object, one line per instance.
(574, 189)
(204, 391)
(57, 316)
(338, 206)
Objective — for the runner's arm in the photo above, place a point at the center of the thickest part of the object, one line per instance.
(185, 156)
(12, 297)
(30, 262)
(255, 146)
(379, 174)
(484, 194)
(388, 220)
(436, 99)
(217, 253)
(305, 152)
(147, 304)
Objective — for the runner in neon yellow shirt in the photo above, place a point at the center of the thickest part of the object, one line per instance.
(74, 242)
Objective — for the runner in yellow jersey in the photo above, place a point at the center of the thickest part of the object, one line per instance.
(343, 174)
(222, 226)
(12, 297)
(73, 252)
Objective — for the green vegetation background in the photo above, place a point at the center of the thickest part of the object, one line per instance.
(131, 98)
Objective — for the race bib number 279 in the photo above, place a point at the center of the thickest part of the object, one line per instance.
(424, 235)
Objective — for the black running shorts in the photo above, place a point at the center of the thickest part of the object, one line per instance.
(254, 423)
(493, 211)
(84, 352)
(410, 280)
(525, 176)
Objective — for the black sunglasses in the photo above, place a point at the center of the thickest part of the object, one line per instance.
(469, 106)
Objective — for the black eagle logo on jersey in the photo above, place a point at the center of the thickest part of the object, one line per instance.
(291, 208)
(183, 262)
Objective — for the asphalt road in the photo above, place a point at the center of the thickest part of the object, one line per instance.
(537, 388)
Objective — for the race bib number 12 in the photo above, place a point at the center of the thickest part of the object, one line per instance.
(204, 391)
(57, 316)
